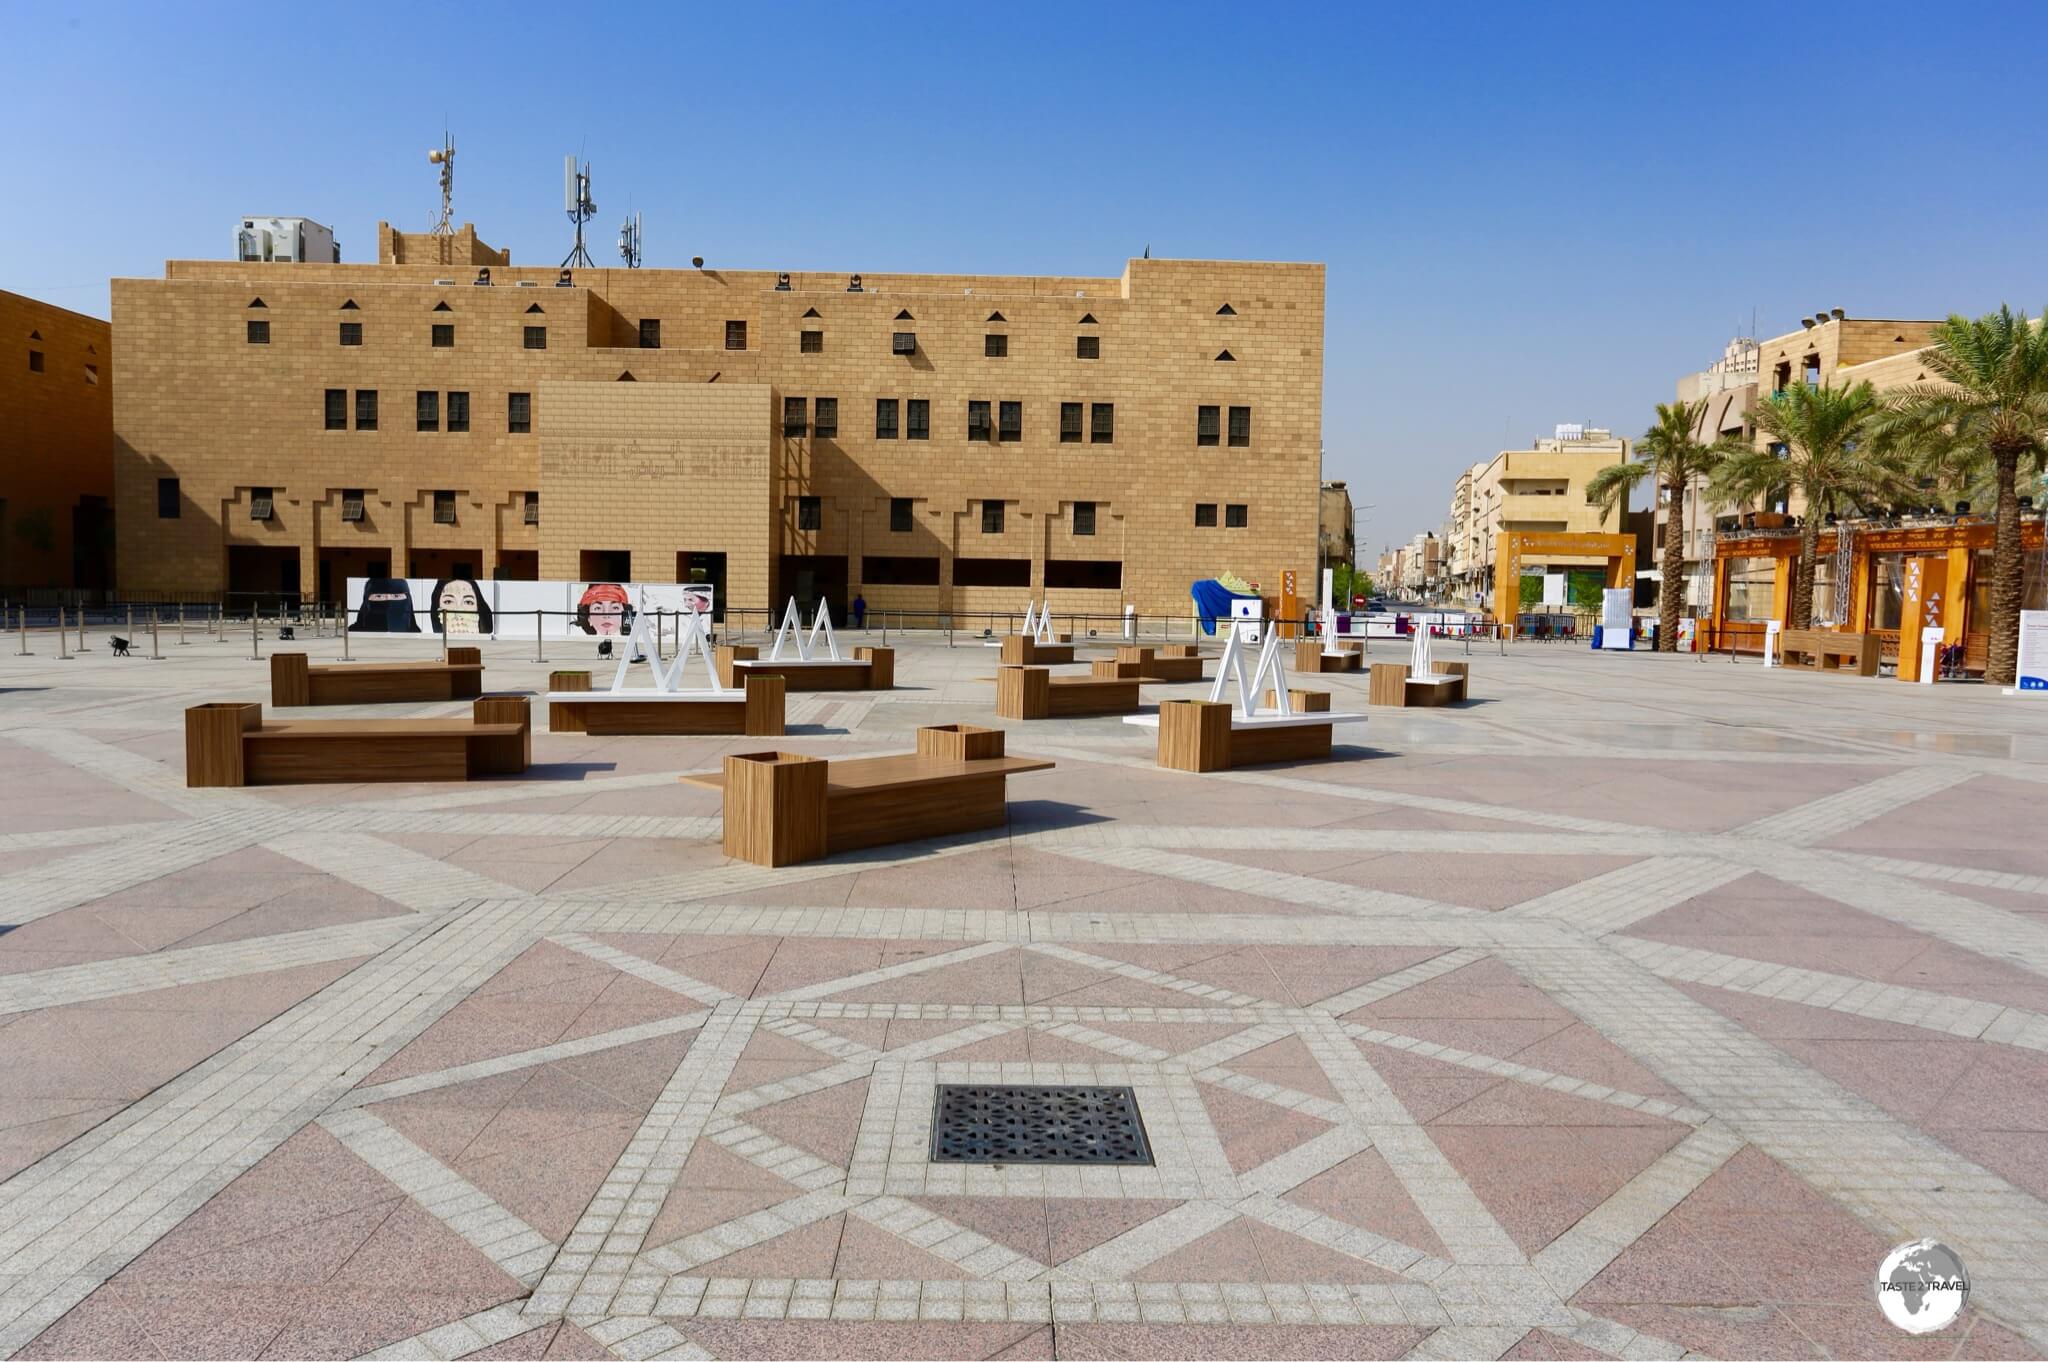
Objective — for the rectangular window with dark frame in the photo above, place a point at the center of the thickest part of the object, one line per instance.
(1087, 347)
(518, 413)
(1010, 421)
(426, 411)
(1236, 516)
(533, 508)
(536, 338)
(1102, 423)
(810, 342)
(351, 333)
(35, 361)
(337, 408)
(977, 421)
(735, 335)
(826, 424)
(259, 333)
(885, 418)
(1240, 427)
(1070, 423)
(810, 513)
(170, 504)
(444, 336)
(444, 508)
(995, 345)
(900, 513)
(917, 416)
(1205, 515)
(991, 517)
(650, 333)
(1208, 425)
(458, 413)
(1084, 517)
(352, 504)
(795, 421)
(259, 503)
(366, 408)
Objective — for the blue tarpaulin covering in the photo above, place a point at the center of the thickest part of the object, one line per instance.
(1212, 602)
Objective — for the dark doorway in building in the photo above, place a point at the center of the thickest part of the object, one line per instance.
(518, 565)
(704, 569)
(92, 544)
(812, 578)
(269, 576)
(338, 565)
(440, 563)
(606, 565)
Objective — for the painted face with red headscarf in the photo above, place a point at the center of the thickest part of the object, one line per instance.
(604, 609)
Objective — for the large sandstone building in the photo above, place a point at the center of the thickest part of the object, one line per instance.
(56, 450)
(934, 442)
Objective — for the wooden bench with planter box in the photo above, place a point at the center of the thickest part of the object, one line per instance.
(1309, 657)
(231, 744)
(782, 808)
(1035, 693)
(869, 669)
(1212, 735)
(1150, 664)
(295, 681)
(1021, 650)
(1824, 650)
(755, 708)
(1393, 684)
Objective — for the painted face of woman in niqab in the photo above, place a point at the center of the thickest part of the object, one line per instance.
(386, 608)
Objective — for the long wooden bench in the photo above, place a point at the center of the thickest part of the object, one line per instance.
(1149, 664)
(1309, 657)
(868, 669)
(1035, 693)
(231, 744)
(1022, 650)
(1210, 735)
(295, 681)
(1392, 685)
(1824, 650)
(754, 708)
(782, 808)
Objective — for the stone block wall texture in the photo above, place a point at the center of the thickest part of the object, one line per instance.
(56, 443)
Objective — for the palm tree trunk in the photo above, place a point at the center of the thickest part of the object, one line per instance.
(1802, 579)
(1674, 567)
(2001, 659)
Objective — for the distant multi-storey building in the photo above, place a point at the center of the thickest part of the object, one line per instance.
(1336, 542)
(1541, 489)
(56, 449)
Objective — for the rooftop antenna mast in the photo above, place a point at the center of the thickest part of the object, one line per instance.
(444, 225)
(580, 207)
(629, 242)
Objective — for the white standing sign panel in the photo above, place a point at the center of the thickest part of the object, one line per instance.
(1617, 618)
(2033, 666)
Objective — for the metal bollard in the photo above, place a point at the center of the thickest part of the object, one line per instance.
(63, 645)
(256, 633)
(344, 633)
(539, 623)
(155, 652)
(81, 630)
(23, 617)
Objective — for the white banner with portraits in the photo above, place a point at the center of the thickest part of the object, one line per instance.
(468, 608)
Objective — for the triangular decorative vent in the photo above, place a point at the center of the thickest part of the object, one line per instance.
(534, 307)
(627, 377)
(810, 312)
(350, 306)
(35, 335)
(442, 307)
(258, 303)
(997, 317)
(1087, 319)
(904, 316)
(1226, 358)
(1226, 311)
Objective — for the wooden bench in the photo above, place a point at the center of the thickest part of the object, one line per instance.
(755, 709)
(1149, 664)
(294, 681)
(868, 669)
(1209, 735)
(1310, 658)
(1022, 650)
(1824, 650)
(782, 808)
(231, 744)
(1035, 693)
(1392, 685)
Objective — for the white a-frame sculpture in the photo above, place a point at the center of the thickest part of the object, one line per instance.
(1419, 665)
(694, 641)
(1041, 632)
(791, 632)
(1270, 670)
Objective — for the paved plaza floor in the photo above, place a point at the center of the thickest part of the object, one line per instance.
(1635, 1009)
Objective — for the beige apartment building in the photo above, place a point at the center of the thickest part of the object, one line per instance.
(932, 442)
(1538, 490)
(1336, 528)
(56, 449)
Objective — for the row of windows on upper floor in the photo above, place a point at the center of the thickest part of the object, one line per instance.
(170, 503)
(810, 515)
(35, 366)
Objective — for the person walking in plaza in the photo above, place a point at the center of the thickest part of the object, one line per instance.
(860, 611)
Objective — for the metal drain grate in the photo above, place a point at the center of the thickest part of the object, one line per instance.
(974, 1124)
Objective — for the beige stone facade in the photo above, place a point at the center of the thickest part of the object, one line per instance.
(1139, 431)
(56, 448)
(1336, 534)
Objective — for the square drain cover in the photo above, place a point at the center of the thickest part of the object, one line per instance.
(976, 1124)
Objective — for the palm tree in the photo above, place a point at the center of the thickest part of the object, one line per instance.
(1818, 451)
(1670, 456)
(1990, 399)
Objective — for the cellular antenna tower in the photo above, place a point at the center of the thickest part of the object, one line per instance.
(580, 207)
(444, 157)
(629, 242)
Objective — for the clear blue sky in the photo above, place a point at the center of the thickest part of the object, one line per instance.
(1530, 213)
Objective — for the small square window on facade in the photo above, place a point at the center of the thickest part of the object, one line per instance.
(351, 333)
(1205, 515)
(1084, 517)
(366, 408)
(900, 515)
(1087, 347)
(426, 411)
(735, 335)
(444, 336)
(991, 517)
(536, 338)
(444, 508)
(1102, 423)
(826, 423)
(885, 418)
(810, 342)
(259, 503)
(1208, 425)
(995, 346)
(810, 513)
(533, 508)
(917, 414)
(650, 333)
(1236, 516)
(1070, 423)
(352, 504)
(337, 409)
(1240, 426)
(170, 503)
(903, 342)
(977, 421)
(259, 333)
(35, 361)
(795, 420)
(1010, 421)
(518, 413)
(458, 413)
